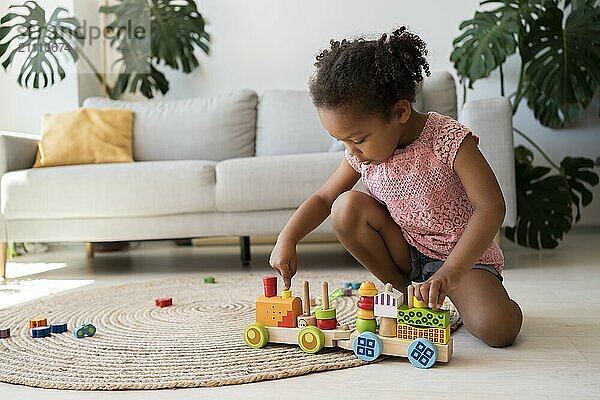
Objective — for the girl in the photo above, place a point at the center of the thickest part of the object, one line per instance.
(434, 204)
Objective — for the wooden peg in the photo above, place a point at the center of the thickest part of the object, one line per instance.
(388, 287)
(325, 295)
(305, 298)
(410, 294)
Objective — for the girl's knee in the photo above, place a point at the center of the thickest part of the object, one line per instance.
(345, 210)
(499, 328)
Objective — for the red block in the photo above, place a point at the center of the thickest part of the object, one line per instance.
(366, 303)
(165, 302)
(327, 324)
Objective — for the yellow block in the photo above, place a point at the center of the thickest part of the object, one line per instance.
(365, 314)
(278, 312)
(436, 335)
(419, 303)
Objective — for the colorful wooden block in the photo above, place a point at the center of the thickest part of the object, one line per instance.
(367, 289)
(40, 332)
(365, 302)
(347, 291)
(365, 314)
(325, 314)
(306, 320)
(366, 325)
(270, 286)
(347, 285)
(386, 303)
(164, 302)
(435, 335)
(36, 323)
(58, 328)
(387, 327)
(4, 333)
(419, 303)
(355, 285)
(275, 311)
(423, 317)
(209, 279)
(326, 324)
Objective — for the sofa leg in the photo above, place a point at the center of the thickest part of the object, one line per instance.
(245, 250)
(89, 249)
(3, 255)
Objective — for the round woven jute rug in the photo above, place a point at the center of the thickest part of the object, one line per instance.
(195, 342)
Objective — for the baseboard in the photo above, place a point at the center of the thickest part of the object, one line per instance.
(260, 239)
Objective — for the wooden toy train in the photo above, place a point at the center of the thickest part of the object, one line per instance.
(413, 330)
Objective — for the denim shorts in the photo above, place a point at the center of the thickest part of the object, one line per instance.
(422, 266)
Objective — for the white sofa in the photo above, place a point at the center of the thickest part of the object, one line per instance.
(232, 165)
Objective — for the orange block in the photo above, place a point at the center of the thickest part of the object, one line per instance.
(36, 323)
(278, 312)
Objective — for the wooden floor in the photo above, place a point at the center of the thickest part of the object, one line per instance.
(556, 356)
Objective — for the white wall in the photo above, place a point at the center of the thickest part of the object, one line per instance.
(21, 109)
(265, 44)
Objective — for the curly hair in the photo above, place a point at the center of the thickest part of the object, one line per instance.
(371, 75)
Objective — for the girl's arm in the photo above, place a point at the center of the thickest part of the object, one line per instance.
(486, 197)
(311, 213)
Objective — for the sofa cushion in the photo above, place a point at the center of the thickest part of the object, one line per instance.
(85, 136)
(109, 190)
(209, 128)
(272, 182)
(287, 123)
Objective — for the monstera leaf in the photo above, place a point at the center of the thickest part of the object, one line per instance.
(173, 29)
(561, 64)
(488, 39)
(28, 32)
(577, 173)
(543, 204)
(138, 73)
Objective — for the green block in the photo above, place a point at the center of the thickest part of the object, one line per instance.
(423, 317)
(325, 314)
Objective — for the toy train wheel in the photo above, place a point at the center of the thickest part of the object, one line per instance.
(422, 353)
(89, 330)
(367, 346)
(311, 339)
(256, 335)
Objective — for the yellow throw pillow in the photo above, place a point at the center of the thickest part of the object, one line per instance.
(85, 136)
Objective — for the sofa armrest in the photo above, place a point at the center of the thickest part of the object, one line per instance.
(491, 120)
(17, 151)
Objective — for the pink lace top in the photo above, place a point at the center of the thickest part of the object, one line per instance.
(423, 193)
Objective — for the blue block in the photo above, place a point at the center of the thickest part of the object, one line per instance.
(58, 328)
(84, 330)
(348, 284)
(40, 332)
(355, 285)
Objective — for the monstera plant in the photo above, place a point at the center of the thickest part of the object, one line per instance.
(173, 30)
(558, 43)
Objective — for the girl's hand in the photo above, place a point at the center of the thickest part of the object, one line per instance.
(283, 260)
(435, 289)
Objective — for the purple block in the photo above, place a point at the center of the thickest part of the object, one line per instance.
(4, 333)
(347, 291)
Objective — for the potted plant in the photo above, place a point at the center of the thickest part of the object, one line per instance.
(558, 43)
